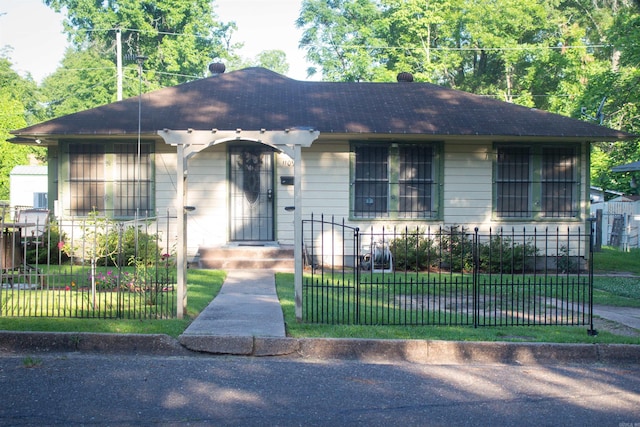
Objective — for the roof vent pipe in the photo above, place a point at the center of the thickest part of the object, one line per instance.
(216, 68)
(404, 77)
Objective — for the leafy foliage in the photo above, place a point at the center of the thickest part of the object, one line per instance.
(452, 249)
(107, 243)
(18, 103)
(340, 36)
(85, 80)
(48, 248)
(501, 254)
(274, 60)
(412, 252)
(178, 37)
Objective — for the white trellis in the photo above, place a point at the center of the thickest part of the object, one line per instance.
(190, 142)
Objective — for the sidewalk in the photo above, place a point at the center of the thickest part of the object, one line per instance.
(628, 316)
(248, 306)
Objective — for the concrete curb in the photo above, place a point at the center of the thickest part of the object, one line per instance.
(415, 351)
(463, 352)
(365, 350)
(51, 342)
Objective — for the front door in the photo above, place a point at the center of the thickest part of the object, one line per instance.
(251, 193)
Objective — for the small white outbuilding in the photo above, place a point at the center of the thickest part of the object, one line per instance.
(28, 186)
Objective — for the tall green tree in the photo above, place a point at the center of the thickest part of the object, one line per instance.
(17, 95)
(619, 86)
(518, 50)
(340, 36)
(84, 80)
(274, 60)
(178, 37)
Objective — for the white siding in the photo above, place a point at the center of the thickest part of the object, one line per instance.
(207, 192)
(325, 185)
(284, 199)
(467, 183)
(165, 179)
(466, 191)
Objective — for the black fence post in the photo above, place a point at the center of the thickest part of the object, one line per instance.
(475, 278)
(591, 331)
(356, 240)
(119, 294)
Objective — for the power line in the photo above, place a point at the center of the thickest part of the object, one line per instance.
(136, 30)
(464, 49)
(391, 47)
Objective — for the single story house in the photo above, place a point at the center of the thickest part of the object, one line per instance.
(372, 153)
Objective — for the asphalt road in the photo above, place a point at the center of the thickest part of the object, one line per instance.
(75, 389)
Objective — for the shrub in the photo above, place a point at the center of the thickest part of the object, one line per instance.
(502, 255)
(456, 249)
(413, 251)
(48, 248)
(112, 244)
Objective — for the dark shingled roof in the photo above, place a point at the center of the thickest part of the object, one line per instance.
(255, 98)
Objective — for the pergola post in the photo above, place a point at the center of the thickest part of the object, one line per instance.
(181, 172)
(297, 230)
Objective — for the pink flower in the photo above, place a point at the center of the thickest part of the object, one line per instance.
(60, 244)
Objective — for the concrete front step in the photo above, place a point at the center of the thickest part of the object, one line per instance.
(247, 257)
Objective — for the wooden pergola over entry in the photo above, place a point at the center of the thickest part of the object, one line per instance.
(190, 142)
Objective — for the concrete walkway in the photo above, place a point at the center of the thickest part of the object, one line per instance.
(247, 305)
(246, 308)
(628, 316)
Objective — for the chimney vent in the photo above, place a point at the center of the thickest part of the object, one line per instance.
(404, 77)
(216, 68)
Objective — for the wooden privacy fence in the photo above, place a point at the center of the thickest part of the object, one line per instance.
(453, 275)
(87, 268)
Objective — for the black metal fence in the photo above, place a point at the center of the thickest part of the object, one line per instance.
(454, 275)
(85, 268)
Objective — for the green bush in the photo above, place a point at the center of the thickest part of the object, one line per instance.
(502, 255)
(112, 244)
(413, 251)
(456, 249)
(452, 250)
(121, 247)
(47, 248)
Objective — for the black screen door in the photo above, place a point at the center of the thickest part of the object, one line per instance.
(251, 193)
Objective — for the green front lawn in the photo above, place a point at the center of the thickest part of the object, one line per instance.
(202, 287)
(558, 334)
